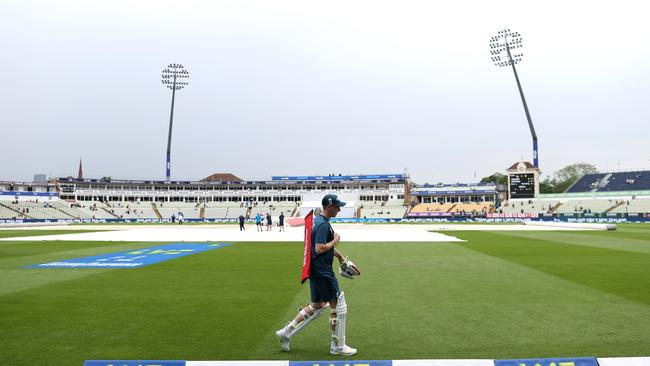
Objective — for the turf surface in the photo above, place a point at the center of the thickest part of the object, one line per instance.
(8, 233)
(500, 294)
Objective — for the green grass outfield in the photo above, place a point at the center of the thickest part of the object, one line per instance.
(17, 233)
(503, 294)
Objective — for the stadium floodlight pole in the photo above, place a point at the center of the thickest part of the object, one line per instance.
(505, 41)
(174, 76)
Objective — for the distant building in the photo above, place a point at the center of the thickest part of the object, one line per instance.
(40, 178)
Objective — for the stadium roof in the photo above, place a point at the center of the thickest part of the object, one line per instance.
(221, 177)
(340, 177)
(528, 165)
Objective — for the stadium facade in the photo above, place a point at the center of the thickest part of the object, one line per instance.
(623, 196)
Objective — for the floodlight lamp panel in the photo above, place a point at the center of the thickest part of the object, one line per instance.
(176, 72)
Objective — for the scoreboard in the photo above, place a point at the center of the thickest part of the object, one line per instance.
(522, 185)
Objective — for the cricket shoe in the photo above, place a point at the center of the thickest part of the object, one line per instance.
(284, 339)
(343, 351)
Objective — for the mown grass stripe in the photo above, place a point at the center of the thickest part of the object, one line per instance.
(7, 233)
(622, 273)
(598, 239)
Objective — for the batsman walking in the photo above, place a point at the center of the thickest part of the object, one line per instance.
(324, 286)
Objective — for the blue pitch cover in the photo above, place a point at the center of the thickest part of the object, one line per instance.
(132, 258)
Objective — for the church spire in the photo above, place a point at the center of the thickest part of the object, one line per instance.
(80, 175)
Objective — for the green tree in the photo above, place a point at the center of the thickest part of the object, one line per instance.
(565, 177)
(568, 175)
(497, 178)
(547, 185)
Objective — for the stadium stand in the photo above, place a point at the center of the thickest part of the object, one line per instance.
(95, 209)
(274, 208)
(484, 207)
(630, 181)
(612, 182)
(234, 212)
(586, 206)
(224, 196)
(391, 209)
(603, 205)
(458, 199)
(529, 207)
(632, 206)
(71, 210)
(432, 207)
(376, 196)
(10, 213)
(39, 210)
(216, 212)
(587, 183)
(189, 210)
(480, 207)
(133, 213)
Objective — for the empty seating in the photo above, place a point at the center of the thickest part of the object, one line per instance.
(633, 206)
(383, 212)
(216, 212)
(6, 213)
(587, 183)
(35, 210)
(586, 206)
(528, 207)
(613, 182)
(480, 207)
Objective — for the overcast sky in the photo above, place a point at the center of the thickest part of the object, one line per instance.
(319, 87)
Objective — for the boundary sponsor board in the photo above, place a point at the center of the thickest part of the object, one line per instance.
(631, 219)
(134, 363)
(132, 258)
(430, 214)
(511, 215)
(574, 361)
(342, 363)
(237, 363)
(443, 362)
(336, 177)
(624, 361)
(29, 194)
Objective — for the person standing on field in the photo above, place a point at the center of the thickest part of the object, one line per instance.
(281, 221)
(258, 221)
(324, 286)
(242, 220)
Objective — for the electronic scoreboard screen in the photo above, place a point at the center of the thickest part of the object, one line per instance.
(522, 185)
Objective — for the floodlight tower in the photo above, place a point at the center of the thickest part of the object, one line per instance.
(174, 76)
(505, 41)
